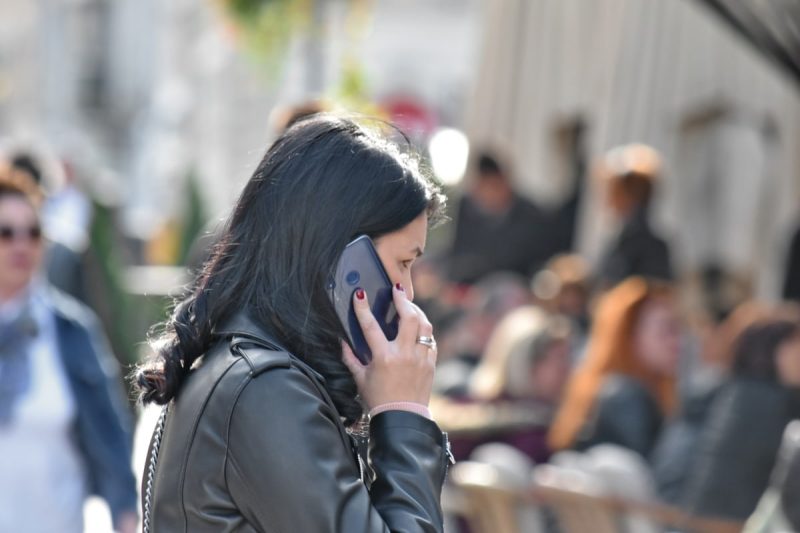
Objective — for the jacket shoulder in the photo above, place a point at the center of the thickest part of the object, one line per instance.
(69, 308)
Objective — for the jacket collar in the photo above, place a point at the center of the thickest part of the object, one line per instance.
(241, 324)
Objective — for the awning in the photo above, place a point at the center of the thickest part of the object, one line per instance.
(772, 26)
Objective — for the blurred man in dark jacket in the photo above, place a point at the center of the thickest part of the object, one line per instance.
(630, 173)
(496, 229)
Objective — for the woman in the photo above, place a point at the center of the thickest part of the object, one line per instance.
(263, 396)
(63, 417)
(625, 386)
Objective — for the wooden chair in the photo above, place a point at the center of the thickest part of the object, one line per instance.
(574, 500)
(581, 507)
(491, 505)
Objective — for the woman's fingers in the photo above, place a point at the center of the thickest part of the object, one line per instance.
(426, 329)
(369, 326)
(409, 318)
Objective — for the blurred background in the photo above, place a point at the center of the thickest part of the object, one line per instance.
(603, 160)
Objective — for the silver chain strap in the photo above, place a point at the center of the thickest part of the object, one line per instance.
(151, 471)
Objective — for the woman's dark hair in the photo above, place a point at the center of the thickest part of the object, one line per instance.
(756, 348)
(325, 181)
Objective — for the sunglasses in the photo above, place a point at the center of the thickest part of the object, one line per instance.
(10, 233)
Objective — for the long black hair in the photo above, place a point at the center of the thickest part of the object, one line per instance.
(323, 182)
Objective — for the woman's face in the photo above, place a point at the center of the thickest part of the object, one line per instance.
(657, 335)
(20, 247)
(787, 361)
(398, 251)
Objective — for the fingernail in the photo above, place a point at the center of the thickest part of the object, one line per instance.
(360, 294)
(399, 287)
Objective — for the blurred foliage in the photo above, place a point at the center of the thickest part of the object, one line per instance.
(265, 27)
(172, 243)
(109, 297)
(194, 218)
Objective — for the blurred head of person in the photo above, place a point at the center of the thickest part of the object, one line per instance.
(630, 173)
(720, 341)
(20, 232)
(491, 189)
(283, 118)
(563, 286)
(325, 181)
(636, 333)
(486, 303)
(769, 349)
(527, 357)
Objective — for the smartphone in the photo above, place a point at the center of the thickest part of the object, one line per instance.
(360, 266)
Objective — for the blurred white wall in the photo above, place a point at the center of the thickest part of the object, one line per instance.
(669, 74)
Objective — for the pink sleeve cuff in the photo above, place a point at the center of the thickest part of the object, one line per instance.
(412, 407)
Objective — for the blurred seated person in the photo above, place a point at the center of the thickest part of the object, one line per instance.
(740, 440)
(699, 385)
(462, 345)
(496, 229)
(630, 174)
(63, 417)
(564, 287)
(515, 388)
(626, 384)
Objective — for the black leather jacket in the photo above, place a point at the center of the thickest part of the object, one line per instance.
(254, 443)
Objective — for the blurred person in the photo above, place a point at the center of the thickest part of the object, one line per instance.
(515, 388)
(626, 385)
(63, 418)
(66, 218)
(699, 384)
(482, 306)
(264, 398)
(630, 175)
(496, 228)
(564, 287)
(740, 441)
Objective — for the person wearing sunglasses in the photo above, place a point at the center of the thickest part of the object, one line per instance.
(64, 428)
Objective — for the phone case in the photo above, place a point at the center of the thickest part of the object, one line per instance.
(360, 266)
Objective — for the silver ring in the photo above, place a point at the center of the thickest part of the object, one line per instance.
(427, 341)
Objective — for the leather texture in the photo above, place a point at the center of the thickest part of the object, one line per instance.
(253, 443)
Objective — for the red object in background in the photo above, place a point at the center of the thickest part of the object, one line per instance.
(414, 118)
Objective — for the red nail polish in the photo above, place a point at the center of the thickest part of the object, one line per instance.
(360, 294)
(399, 287)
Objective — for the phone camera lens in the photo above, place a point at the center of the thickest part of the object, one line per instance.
(352, 277)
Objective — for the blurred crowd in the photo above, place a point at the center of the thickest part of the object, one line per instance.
(605, 371)
(545, 359)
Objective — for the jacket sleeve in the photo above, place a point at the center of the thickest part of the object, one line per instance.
(288, 468)
(103, 422)
(737, 448)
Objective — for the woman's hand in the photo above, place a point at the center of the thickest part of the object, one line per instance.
(401, 370)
